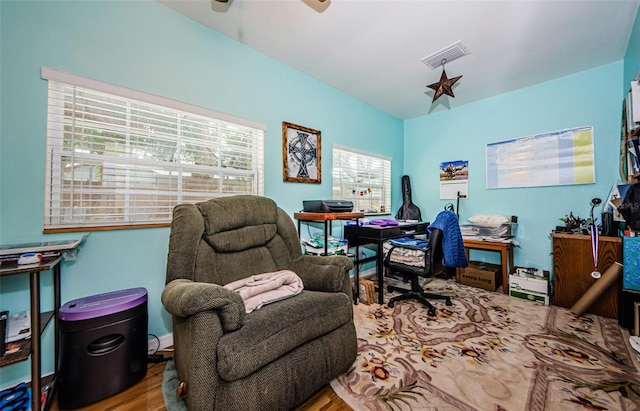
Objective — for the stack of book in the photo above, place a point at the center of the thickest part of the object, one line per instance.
(15, 327)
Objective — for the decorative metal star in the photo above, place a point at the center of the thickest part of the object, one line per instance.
(443, 86)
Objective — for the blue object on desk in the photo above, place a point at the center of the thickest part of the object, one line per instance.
(409, 242)
(30, 258)
(361, 222)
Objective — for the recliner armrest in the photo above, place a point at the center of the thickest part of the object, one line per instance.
(323, 273)
(184, 298)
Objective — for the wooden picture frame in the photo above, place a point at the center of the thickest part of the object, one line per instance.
(301, 154)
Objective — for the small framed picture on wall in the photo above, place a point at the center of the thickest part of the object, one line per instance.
(301, 154)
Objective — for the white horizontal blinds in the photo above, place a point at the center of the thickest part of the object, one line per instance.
(114, 160)
(364, 179)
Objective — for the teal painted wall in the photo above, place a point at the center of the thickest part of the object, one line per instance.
(590, 98)
(632, 56)
(146, 46)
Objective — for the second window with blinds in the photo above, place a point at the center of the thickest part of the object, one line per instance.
(363, 178)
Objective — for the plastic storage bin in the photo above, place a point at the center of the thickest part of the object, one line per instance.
(103, 346)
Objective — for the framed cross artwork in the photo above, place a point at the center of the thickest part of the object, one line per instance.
(301, 154)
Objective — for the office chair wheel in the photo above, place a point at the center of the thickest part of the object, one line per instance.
(390, 304)
(431, 312)
(448, 302)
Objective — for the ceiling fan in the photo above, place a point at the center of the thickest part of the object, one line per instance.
(226, 1)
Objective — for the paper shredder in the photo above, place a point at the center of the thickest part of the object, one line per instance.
(103, 346)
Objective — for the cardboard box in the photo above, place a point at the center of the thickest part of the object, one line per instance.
(367, 291)
(538, 285)
(482, 275)
(531, 296)
(530, 287)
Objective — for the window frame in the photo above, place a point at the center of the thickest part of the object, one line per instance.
(250, 138)
(362, 192)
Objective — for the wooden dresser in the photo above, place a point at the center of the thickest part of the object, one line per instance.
(572, 267)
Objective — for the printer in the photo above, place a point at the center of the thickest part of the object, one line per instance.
(327, 206)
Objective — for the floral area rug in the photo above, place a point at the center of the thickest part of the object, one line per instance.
(487, 351)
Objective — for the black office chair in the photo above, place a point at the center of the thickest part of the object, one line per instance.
(433, 265)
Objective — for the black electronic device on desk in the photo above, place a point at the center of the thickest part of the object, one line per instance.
(355, 234)
(327, 206)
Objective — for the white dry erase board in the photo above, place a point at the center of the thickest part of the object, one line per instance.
(557, 158)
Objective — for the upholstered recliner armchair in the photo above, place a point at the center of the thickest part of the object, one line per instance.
(275, 357)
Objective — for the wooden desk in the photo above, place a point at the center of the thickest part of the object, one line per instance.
(306, 216)
(506, 257)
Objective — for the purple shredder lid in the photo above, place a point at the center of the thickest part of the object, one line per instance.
(102, 304)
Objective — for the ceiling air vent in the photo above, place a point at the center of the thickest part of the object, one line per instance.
(448, 54)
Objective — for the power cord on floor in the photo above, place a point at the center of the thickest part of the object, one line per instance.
(157, 358)
(154, 357)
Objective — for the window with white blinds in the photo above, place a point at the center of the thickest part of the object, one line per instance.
(363, 178)
(119, 157)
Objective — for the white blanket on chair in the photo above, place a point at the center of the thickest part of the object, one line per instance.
(261, 289)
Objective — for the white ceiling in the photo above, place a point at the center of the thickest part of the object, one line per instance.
(371, 49)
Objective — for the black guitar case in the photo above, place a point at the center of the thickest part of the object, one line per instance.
(408, 210)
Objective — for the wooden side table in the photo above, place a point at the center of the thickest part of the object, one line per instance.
(506, 257)
(572, 267)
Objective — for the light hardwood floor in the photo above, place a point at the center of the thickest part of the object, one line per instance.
(147, 395)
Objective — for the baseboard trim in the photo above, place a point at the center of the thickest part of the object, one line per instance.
(159, 343)
(371, 272)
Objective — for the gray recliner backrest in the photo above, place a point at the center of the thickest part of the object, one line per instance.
(226, 239)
